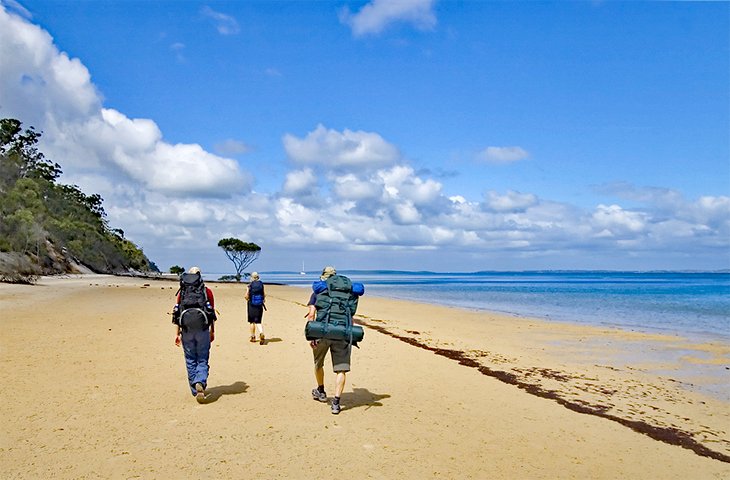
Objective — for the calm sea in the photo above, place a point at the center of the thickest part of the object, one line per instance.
(691, 304)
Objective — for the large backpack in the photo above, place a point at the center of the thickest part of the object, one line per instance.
(194, 309)
(256, 293)
(336, 304)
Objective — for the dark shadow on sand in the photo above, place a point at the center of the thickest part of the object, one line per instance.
(362, 397)
(212, 394)
(272, 340)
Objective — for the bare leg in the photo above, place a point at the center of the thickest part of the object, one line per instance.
(340, 385)
(319, 375)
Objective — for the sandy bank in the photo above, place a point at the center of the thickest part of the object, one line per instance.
(99, 391)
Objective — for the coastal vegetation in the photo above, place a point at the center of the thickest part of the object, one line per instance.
(241, 253)
(47, 227)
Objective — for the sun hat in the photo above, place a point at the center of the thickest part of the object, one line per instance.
(254, 275)
(327, 272)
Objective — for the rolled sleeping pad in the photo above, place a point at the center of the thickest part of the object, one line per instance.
(317, 330)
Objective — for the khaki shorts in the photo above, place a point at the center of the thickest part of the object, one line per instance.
(339, 350)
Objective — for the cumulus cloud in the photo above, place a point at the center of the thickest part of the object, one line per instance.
(225, 24)
(377, 15)
(45, 88)
(348, 190)
(510, 202)
(333, 149)
(503, 154)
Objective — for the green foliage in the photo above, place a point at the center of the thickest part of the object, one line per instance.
(37, 214)
(177, 269)
(241, 253)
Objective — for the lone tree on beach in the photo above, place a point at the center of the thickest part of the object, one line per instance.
(177, 269)
(241, 253)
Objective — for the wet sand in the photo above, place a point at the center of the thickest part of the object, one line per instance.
(98, 390)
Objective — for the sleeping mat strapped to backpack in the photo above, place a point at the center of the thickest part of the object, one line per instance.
(336, 304)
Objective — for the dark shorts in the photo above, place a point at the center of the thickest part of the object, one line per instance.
(255, 313)
(340, 351)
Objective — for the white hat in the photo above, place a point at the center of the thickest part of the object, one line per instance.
(327, 272)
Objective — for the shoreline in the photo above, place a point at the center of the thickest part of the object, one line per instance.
(481, 395)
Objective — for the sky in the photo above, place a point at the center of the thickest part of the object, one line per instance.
(450, 136)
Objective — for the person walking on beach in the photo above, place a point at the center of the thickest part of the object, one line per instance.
(340, 351)
(255, 302)
(194, 318)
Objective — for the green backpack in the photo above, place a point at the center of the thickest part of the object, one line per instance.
(336, 305)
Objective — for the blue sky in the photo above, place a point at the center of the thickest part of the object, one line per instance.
(440, 135)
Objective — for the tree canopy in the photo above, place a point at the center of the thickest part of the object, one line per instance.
(241, 253)
(49, 222)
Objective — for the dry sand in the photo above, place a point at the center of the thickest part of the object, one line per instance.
(95, 388)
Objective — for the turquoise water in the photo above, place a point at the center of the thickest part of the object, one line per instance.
(691, 304)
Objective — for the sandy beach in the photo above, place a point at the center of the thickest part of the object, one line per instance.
(97, 389)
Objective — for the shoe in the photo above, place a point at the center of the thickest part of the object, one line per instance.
(262, 340)
(252, 339)
(336, 407)
(319, 396)
(199, 393)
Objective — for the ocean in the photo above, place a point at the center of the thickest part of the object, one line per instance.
(691, 304)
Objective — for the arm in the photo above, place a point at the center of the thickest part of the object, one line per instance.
(178, 336)
(312, 310)
(176, 322)
(209, 295)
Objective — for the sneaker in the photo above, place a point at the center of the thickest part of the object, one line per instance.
(262, 340)
(199, 393)
(336, 407)
(319, 396)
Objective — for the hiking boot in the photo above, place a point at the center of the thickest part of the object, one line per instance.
(262, 340)
(319, 396)
(199, 393)
(336, 407)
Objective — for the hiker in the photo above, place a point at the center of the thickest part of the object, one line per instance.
(255, 300)
(194, 318)
(321, 308)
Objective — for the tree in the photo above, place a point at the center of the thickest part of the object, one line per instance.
(241, 253)
(177, 269)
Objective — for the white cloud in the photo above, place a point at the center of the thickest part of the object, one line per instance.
(333, 149)
(511, 202)
(503, 154)
(225, 24)
(617, 221)
(299, 182)
(348, 190)
(375, 16)
(44, 88)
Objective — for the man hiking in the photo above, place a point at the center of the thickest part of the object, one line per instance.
(335, 303)
(194, 319)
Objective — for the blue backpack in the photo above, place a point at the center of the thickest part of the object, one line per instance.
(256, 293)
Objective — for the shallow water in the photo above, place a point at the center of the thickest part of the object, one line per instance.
(696, 305)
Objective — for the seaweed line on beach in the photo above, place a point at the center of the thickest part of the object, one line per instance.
(672, 436)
